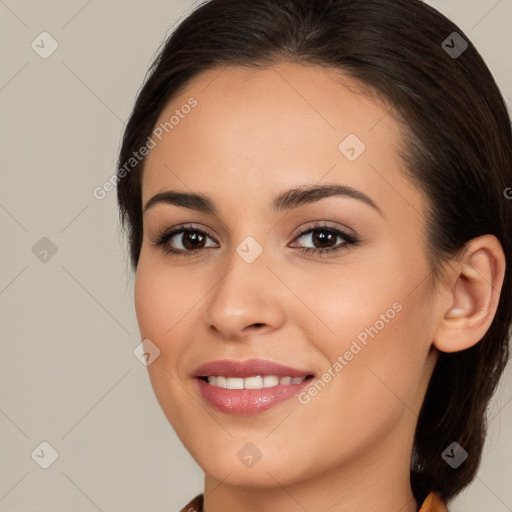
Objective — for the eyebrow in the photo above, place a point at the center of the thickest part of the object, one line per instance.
(286, 200)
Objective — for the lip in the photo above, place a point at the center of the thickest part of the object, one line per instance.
(248, 368)
(248, 401)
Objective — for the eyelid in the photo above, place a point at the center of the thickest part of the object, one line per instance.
(312, 225)
(169, 233)
(350, 239)
(350, 236)
(318, 224)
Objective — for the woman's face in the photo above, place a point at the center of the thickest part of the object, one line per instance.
(360, 318)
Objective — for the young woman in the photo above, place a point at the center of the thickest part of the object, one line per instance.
(315, 194)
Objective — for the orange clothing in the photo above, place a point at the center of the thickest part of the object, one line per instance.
(432, 503)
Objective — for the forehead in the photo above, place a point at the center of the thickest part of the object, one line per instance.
(255, 129)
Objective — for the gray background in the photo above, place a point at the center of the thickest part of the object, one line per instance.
(68, 328)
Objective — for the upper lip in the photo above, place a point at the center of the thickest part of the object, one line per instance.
(248, 368)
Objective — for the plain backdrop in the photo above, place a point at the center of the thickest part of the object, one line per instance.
(68, 375)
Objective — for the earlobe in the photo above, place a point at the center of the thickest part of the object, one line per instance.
(474, 295)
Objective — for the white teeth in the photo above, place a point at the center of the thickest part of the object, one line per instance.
(270, 381)
(221, 381)
(256, 382)
(253, 382)
(235, 383)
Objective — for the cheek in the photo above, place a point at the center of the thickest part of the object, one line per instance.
(370, 295)
(149, 298)
(161, 300)
(383, 353)
(159, 312)
(374, 321)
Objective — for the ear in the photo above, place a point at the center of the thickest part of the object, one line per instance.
(473, 290)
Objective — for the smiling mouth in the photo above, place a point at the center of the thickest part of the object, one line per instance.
(251, 386)
(254, 382)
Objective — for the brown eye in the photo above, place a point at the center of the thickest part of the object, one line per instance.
(183, 241)
(189, 239)
(192, 240)
(324, 239)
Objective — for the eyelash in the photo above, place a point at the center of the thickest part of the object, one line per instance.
(164, 237)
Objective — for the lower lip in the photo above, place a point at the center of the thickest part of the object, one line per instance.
(248, 401)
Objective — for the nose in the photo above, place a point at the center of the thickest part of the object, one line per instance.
(248, 298)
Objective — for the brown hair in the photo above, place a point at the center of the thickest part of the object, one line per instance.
(457, 147)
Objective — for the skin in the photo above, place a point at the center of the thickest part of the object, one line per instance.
(253, 134)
